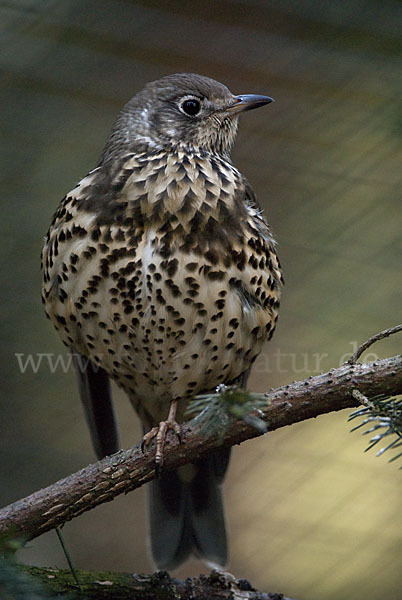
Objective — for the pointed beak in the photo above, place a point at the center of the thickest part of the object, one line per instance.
(248, 102)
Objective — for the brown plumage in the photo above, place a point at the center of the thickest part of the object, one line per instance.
(160, 268)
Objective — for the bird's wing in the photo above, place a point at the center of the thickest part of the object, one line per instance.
(97, 401)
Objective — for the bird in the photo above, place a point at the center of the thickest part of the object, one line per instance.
(160, 272)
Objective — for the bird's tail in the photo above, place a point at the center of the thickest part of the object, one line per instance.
(186, 513)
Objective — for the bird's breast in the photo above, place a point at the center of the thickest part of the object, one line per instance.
(171, 296)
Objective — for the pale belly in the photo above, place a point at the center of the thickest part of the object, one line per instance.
(162, 328)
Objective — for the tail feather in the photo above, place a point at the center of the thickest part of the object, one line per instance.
(187, 515)
(98, 407)
(207, 515)
(168, 505)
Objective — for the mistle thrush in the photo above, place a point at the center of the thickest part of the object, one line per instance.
(160, 268)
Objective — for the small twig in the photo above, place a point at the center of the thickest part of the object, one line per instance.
(374, 338)
(362, 398)
(68, 557)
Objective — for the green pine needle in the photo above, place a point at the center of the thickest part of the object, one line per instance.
(215, 412)
(383, 416)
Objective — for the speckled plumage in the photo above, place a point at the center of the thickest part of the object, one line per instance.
(159, 266)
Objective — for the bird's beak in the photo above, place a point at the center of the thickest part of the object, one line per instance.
(248, 102)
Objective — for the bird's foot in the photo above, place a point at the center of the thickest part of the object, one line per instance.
(160, 433)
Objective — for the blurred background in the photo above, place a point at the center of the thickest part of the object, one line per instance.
(310, 515)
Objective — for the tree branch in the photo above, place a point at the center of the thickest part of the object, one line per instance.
(126, 470)
(217, 586)
(374, 338)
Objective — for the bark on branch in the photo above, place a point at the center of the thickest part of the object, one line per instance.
(62, 501)
(216, 586)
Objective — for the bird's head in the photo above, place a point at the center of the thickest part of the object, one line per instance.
(181, 110)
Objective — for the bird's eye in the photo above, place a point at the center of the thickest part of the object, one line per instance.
(191, 106)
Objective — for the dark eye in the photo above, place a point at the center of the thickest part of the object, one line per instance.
(191, 107)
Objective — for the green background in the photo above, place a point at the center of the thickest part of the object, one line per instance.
(310, 514)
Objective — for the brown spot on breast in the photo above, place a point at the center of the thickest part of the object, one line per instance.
(216, 275)
(192, 266)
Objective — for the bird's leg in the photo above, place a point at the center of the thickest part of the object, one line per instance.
(160, 432)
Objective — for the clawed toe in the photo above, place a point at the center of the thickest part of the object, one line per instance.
(160, 433)
(148, 437)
